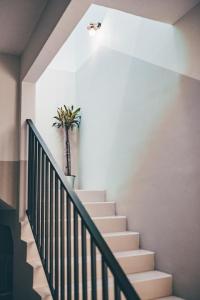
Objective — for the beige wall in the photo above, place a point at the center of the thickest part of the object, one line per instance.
(139, 140)
(9, 135)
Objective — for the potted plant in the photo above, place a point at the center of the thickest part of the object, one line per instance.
(67, 118)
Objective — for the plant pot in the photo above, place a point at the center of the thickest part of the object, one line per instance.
(71, 180)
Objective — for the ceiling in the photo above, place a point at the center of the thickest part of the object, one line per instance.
(153, 41)
(168, 11)
(17, 21)
(18, 18)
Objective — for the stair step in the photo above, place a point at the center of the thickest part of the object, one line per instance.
(152, 284)
(149, 285)
(111, 224)
(130, 261)
(99, 209)
(136, 261)
(117, 241)
(122, 241)
(91, 196)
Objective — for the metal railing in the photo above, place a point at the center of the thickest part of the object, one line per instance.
(77, 260)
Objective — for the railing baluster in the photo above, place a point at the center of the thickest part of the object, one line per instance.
(69, 254)
(47, 231)
(76, 257)
(30, 202)
(93, 270)
(51, 227)
(33, 183)
(104, 280)
(57, 238)
(62, 245)
(84, 261)
(38, 196)
(34, 190)
(42, 205)
(116, 291)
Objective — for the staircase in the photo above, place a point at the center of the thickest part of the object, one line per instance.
(85, 251)
(138, 264)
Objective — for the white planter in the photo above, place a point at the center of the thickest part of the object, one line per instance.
(71, 181)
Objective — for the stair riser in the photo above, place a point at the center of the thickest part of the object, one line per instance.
(91, 196)
(153, 289)
(100, 210)
(136, 264)
(123, 243)
(111, 225)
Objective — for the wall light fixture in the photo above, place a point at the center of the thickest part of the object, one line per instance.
(93, 28)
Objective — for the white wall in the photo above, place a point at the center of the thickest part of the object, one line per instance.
(173, 47)
(9, 135)
(176, 47)
(53, 89)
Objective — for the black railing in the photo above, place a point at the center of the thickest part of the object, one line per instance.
(77, 261)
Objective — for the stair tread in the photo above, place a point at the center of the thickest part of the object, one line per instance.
(91, 195)
(170, 298)
(99, 202)
(149, 275)
(120, 254)
(90, 191)
(109, 234)
(133, 253)
(109, 217)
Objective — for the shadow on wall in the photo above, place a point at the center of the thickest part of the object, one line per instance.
(161, 198)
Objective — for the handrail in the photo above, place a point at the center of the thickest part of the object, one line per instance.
(108, 258)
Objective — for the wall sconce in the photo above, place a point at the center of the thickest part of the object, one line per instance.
(93, 28)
